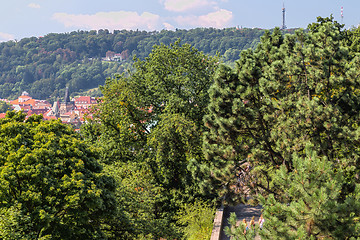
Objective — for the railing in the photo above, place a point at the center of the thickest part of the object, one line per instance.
(218, 223)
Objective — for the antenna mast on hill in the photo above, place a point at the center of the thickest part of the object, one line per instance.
(342, 15)
(283, 15)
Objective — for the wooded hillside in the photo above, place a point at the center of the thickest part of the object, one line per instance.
(44, 66)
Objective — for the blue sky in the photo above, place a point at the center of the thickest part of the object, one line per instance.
(26, 18)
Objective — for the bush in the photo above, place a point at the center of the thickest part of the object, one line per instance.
(197, 220)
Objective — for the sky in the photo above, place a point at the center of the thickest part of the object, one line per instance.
(27, 18)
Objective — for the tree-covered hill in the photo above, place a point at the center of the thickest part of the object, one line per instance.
(44, 66)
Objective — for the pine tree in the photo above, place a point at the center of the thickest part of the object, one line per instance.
(239, 130)
(312, 206)
(291, 92)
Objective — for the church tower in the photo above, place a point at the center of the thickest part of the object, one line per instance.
(66, 106)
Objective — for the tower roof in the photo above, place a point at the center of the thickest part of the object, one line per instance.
(67, 97)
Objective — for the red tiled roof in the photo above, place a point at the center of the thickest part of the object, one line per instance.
(26, 107)
(42, 104)
(30, 112)
(49, 117)
(39, 111)
(68, 113)
(30, 102)
(48, 111)
(85, 99)
(14, 102)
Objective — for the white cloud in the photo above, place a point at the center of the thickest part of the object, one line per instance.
(186, 5)
(6, 37)
(218, 19)
(34, 5)
(110, 20)
(168, 26)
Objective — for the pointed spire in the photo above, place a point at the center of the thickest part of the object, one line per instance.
(67, 97)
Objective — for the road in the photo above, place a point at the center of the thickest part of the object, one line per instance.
(242, 211)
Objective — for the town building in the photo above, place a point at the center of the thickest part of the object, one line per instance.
(29, 105)
(84, 101)
(72, 112)
(66, 105)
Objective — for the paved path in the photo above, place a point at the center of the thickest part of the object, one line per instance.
(242, 211)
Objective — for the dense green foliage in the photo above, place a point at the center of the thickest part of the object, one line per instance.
(320, 205)
(290, 110)
(197, 219)
(4, 107)
(44, 66)
(241, 230)
(52, 186)
(151, 123)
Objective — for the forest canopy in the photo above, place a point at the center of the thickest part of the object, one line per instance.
(44, 66)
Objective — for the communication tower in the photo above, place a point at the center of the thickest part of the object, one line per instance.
(342, 15)
(283, 15)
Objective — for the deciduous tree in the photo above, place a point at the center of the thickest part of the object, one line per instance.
(52, 186)
(152, 116)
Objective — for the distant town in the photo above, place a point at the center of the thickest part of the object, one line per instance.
(72, 111)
